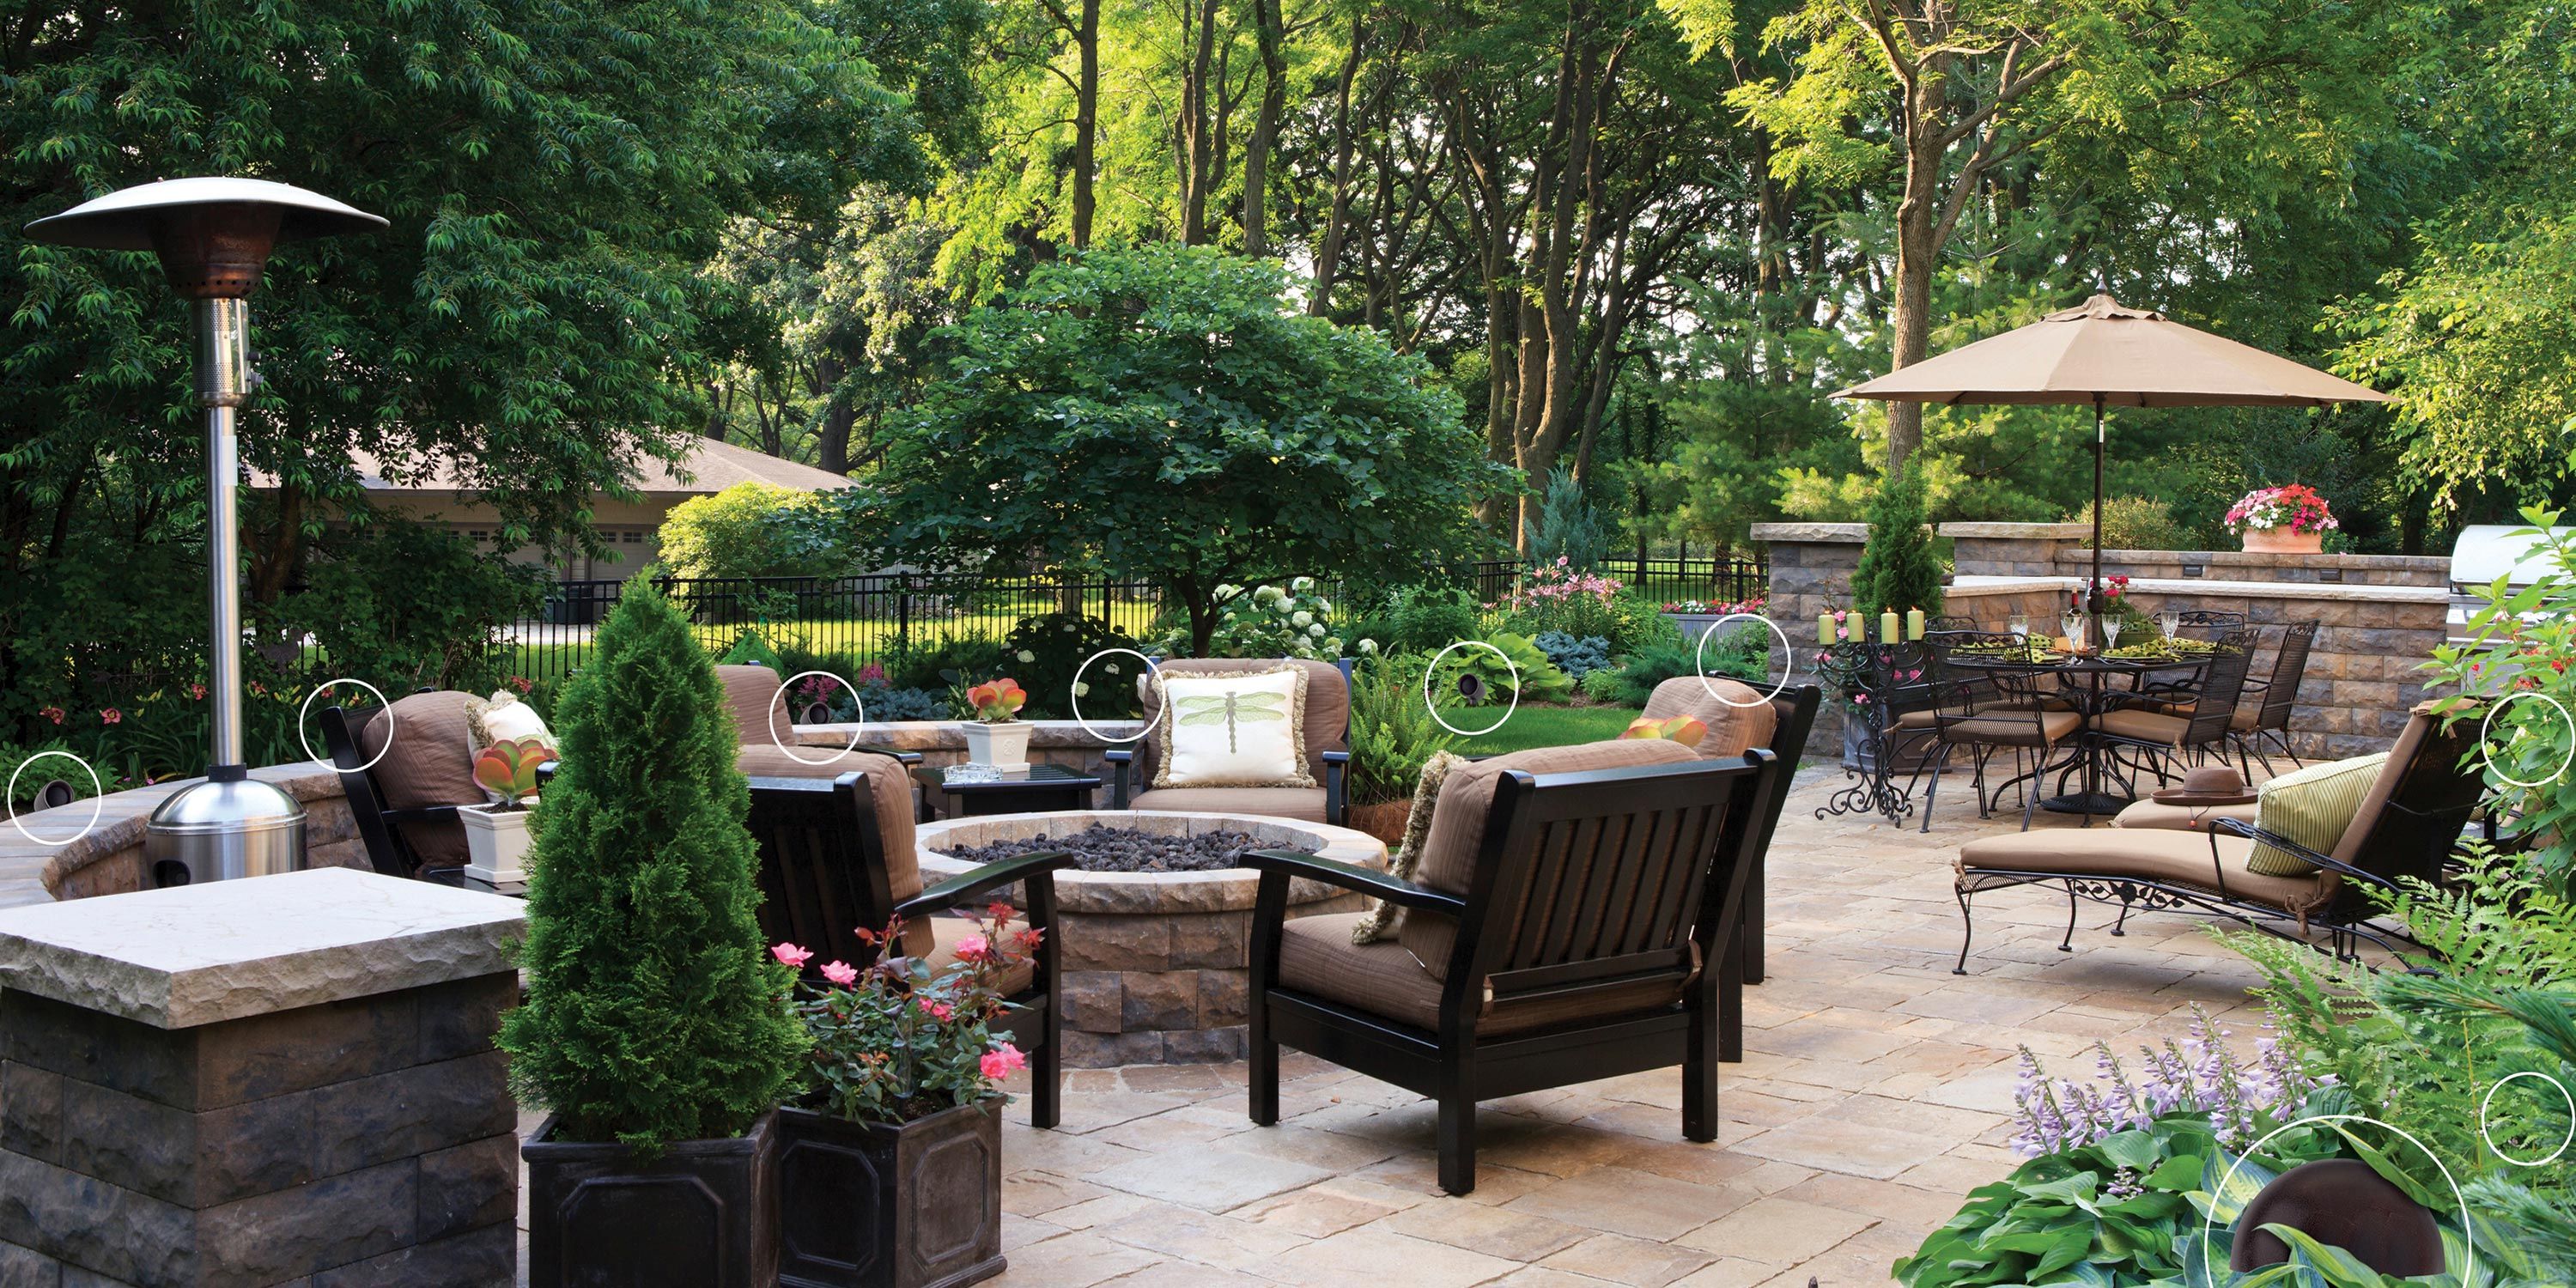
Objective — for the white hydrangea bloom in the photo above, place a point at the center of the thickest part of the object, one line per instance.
(1269, 595)
(1081, 690)
(1302, 584)
(1026, 656)
(1323, 605)
(1301, 619)
(1315, 631)
(1333, 644)
(1368, 648)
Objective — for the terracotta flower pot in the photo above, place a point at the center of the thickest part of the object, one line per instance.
(2282, 541)
(1385, 822)
(873, 1205)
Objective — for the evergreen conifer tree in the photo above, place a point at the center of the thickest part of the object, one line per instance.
(653, 1014)
(1567, 526)
(1898, 567)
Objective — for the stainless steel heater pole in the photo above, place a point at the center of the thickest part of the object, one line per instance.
(223, 382)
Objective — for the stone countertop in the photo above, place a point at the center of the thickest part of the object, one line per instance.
(2325, 590)
(199, 954)
(1835, 533)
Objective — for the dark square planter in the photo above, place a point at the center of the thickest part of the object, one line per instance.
(866, 1205)
(702, 1214)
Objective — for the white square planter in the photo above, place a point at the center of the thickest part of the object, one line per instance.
(1003, 746)
(497, 845)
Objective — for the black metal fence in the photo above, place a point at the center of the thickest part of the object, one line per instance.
(881, 616)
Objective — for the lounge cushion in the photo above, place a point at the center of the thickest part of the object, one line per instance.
(1328, 705)
(1303, 803)
(2312, 806)
(2012, 728)
(431, 762)
(890, 793)
(1316, 956)
(1449, 849)
(948, 932)
(752, 695)
(2151, 854)
(1737, 716)
(2144, 726)
(2180, 818)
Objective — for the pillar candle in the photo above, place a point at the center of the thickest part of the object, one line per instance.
(1914, 623)
(1824, 628)
(1887, 627)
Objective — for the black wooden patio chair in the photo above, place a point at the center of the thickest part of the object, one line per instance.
(1559, 931)
(837, 856)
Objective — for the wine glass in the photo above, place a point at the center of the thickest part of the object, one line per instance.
(2110, 634)
(2169, 621)
(2021, 626)
(2073, 624)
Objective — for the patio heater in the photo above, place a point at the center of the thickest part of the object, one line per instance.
(213, 237)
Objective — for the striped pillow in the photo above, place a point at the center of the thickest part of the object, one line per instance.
(2311, 806)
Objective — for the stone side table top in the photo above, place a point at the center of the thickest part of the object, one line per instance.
(201, 954)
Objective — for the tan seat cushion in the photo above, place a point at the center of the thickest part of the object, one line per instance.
(2144, 726)
(2151, 854)
(2314, 807)
(2244, 718)
(1306, 803)
(1328, 707)
(1737, 716)
(751, 695)
(2180, 818)
(431, 762)
(2018, 728)
(890, 794)
(1316, 956)
(948, 932)
(1458, 825)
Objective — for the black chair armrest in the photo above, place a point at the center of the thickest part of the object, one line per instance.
(907, 759)
(2239, 827)
(1119, 759)
(419, 813)
(1335, 764)
(1041, 865)
(1351, 876)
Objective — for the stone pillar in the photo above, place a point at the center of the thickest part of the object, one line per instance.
(2013, 549)
(284, 1079)
(1811, 571)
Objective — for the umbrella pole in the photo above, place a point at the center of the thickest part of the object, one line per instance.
(2099, 432)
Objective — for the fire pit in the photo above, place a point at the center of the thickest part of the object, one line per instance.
(1156, 963)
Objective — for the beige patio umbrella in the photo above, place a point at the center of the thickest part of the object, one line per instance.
(2110, 355)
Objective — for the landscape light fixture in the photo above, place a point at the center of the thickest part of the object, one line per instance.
(213, 236)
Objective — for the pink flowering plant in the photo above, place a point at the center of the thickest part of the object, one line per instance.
(1558, 597)
(896, 1040)
(2296, 507)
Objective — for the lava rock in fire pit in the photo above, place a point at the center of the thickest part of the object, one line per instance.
(1124, 849)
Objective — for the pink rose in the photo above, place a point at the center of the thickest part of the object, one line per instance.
(973, 948)
(1003, 1063)
(841, 973)
(790, 955)
(940, 1011)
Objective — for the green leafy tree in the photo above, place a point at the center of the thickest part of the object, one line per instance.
(652, 1013)
(1898, 569)
(1164, 409)
(753, 530)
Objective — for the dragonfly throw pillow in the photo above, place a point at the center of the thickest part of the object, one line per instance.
(1232, 729)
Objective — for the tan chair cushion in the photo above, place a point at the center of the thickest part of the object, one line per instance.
(2314, 807)
(2151, 814)
(1379, 921)
(890, 793)
(431, 762)
(2151, 854)
(1737, 716)
(1305, 803)
(2409, 747)
(2242, 718)
(948, 932)
(1316, 956)
(1458, 825)
(2144, 726)
(1328, 707)
(2015, 729)
(751, 694)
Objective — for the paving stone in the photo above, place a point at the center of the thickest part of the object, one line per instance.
(1511, 1235)
(1075, 1260)
(1619, 1259)
(1777, 1230)
(1026, 1193)
(1622, 1201)
(1211, 1180)
(1202, 1237)
(1370, 1257)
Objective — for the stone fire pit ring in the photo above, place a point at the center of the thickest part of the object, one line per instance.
(1157, 965)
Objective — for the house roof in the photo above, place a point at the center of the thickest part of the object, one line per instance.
(710, 465)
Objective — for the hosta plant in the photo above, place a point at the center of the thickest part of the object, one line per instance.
(508, 770)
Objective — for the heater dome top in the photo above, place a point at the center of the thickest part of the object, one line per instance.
(127, 218)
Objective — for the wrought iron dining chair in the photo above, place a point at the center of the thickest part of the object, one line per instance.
(2263, 713)
(2160, 739)
(1985, 709)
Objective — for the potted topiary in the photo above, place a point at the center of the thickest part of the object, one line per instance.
(997, 736)
(654, 1029)
(496, 835)
(890, 1161)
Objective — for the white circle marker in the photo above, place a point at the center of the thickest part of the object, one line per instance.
(1434, 707)
(2487, 753)
(1073, 695)
(772, 718)
(97, 800)
(2562, 1144)
(1788, 655)
(382, 705)
(2208, 1220)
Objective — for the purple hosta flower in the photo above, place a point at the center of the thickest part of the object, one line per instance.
(2196, 1074)
(2125, 1184)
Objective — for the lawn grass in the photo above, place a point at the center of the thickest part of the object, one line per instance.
(1540, 727)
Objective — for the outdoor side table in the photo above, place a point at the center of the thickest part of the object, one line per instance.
(1037, 789)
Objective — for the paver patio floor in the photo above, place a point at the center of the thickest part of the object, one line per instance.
(1875, 1092)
